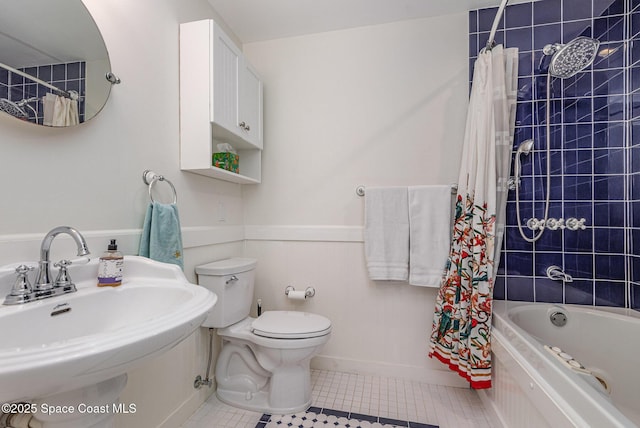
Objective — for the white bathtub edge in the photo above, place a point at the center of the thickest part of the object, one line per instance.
(561, 397)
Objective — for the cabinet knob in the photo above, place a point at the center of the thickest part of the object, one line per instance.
(244, 126)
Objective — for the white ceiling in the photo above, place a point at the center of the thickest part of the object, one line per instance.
(258, 20)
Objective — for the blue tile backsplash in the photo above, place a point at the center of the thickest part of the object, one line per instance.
(595, 163)
(66, 76)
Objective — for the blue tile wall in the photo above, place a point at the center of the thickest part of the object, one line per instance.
(633, 154)
(67, 76)
(595, 163)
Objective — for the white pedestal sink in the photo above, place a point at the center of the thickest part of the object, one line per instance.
(68, 355)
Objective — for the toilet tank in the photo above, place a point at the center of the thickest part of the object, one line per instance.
(232, 280)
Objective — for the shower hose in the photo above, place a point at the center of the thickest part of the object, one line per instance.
(548, 176)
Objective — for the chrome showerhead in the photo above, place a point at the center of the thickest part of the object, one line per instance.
(13, 109)
(571, 58)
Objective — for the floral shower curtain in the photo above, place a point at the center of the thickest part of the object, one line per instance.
(461, 332)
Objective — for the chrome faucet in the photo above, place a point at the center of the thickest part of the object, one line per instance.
(43, 282)
(22, 291)
(557, 274)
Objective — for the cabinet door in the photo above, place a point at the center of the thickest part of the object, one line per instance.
(250, 105)
(226, 68)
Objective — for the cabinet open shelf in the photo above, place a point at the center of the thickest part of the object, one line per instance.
(225, 175)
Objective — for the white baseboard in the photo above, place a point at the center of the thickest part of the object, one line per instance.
(420, 374)
(188, 407)
(320, 362)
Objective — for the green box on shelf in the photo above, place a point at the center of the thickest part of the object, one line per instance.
(226, 160)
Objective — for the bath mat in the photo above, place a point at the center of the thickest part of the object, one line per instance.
(327, 418)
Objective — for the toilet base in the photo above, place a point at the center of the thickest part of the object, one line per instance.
(256, 402)
(242, 382)
(264, 374)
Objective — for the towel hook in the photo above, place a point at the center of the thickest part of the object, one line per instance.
(150, 178)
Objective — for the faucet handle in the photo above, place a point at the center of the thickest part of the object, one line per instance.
(21, 291)
(63, 279)
(63, 263)
(24, 269)
(22, 285)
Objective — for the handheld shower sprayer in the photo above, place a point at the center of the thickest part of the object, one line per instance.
(523, 149)
(567, 60)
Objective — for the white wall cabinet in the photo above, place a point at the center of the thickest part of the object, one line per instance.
(220, 101)
(250, 108)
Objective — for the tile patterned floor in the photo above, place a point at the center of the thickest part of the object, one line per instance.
(384, 397)
(316, 417)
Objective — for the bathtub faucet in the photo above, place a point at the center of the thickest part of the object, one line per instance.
(557, 274)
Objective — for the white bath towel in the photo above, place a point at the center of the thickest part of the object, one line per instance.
(386, 233)
(429, 233)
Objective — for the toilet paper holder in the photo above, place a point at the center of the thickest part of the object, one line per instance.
(308, 292)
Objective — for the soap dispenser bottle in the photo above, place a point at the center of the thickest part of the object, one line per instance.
(110, 267)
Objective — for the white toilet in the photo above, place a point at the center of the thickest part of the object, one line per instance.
(264, 362)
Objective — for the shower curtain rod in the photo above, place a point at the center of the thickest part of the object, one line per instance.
(492, 35)
(71, 94)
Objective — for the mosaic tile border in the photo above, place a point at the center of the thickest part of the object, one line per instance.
(317, 417)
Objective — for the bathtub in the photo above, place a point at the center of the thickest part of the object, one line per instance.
(587, 375)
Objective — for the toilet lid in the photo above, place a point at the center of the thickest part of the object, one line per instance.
(227, 266)
(290, 325)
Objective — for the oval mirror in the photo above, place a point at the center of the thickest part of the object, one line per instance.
(53, 62)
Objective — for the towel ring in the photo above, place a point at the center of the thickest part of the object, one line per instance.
(150, 178)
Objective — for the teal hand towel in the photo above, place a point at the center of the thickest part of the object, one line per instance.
(161, 238)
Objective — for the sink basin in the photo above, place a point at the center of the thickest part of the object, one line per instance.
(78, 340)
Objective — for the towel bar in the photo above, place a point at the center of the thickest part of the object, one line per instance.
(150, 178)
(360, 190)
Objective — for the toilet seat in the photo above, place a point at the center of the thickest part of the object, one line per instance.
(290, 325)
